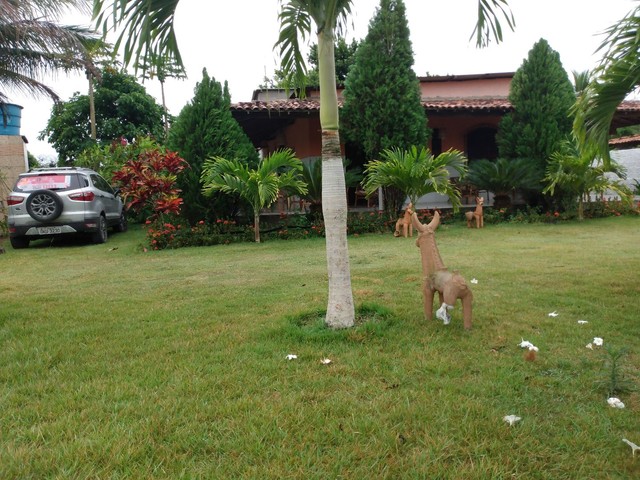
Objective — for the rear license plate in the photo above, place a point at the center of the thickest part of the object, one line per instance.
(49, 230)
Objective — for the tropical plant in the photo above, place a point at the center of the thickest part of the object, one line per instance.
(617, 75)
(32, 45)
(123, 110)
(149, 30)
(542, 97)
(578, 172)
(259, 186)
(147, 183)
(504, 177)
(416, 172)
(205, 128)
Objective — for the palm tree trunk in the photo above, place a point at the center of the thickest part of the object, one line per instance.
(340, 308)
(256, 224)
(164, 111)
(92, 107)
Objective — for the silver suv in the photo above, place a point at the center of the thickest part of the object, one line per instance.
(47, 202)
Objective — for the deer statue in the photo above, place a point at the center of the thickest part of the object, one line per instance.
(404, 222)
(449, 285)
(477, 214)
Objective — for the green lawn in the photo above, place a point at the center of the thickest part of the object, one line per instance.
(116, 363)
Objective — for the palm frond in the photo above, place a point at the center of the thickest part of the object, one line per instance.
(488, 25)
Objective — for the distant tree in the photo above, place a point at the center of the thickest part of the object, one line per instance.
(382, 107)
(162, 67)
(345, 58)
(542, 97)
(259, 186)
(205, 128)
(123, 110)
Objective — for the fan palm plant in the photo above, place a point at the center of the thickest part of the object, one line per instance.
(579, 172)
(503, 177)
(259, 186)
(32, 45)
(416, 172)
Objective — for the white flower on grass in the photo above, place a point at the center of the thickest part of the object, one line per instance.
(291, 356)
(589, 346)
(633, 446)
(597, 341)
(554, 314)
(474, 281)
(615, 402)
(325, 361)
(582, 322)
(527, 344)
(511, 419)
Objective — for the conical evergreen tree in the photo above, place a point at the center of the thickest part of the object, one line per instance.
(382, 107)
(542, 96)
(205, 128)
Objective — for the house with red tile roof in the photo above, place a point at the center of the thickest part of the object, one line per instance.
(463, 113)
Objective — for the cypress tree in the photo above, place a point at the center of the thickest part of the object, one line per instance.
(382, 107)
(205, 128)
(382, 101)
(542, 96)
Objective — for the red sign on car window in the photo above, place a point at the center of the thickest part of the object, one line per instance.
(44, 182)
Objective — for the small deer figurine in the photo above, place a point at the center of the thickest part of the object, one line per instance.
(437, 278)
(476, 214)
(404, 222)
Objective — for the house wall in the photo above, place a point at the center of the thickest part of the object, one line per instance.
(495, 87)
(454, 129)
(304, 137)
(13, 162)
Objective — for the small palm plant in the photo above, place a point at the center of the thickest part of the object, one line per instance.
(578, 172)
(259, 186)
(416, 172)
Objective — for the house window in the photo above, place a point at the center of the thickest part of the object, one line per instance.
(436, 142)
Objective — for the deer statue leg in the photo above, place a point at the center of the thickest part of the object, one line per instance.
(467, 301)
(428, 300)
(405, 228)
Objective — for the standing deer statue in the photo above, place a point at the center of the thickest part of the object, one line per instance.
(437, 278)
(404, 223)
(476, 214)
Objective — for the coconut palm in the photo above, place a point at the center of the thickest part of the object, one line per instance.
(504, 177)
(32, 45)
(617, 75)
(149, 31)
(259, 186)
(579, 171)
(416, 172)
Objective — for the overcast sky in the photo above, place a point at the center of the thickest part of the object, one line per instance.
(234, 42)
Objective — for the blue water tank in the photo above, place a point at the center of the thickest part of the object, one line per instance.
(11, 114)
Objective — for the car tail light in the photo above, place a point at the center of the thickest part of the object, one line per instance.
(14, 200)
(83, 196)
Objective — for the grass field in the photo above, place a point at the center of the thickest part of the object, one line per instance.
(122, 364)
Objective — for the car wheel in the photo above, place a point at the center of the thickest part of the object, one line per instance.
(100, 236)
(19, 242)
(44, 205)
(122, 225)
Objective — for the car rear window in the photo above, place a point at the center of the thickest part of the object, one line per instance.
(47, 181)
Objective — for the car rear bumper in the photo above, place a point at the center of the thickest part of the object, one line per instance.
(43, 230)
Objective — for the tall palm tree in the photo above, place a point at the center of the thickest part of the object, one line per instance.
(32, 45)
(149, 30)
(416, 172)
(259, 186)
(617, 75)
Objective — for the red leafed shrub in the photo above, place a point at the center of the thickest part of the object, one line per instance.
(148, 182)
